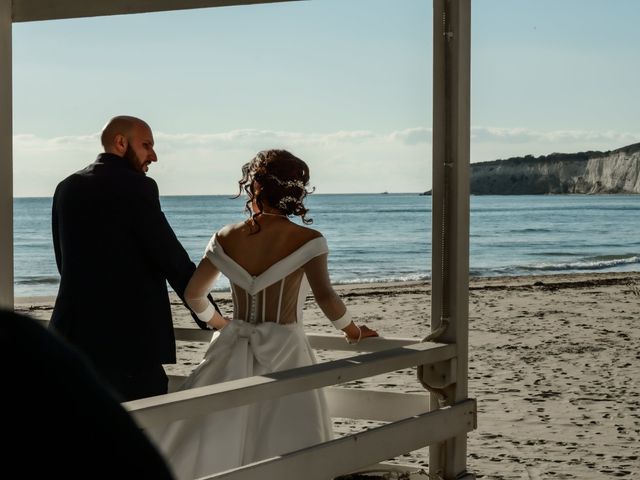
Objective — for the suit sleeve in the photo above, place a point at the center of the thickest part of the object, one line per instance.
(161, 244)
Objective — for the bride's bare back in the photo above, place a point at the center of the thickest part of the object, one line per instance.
(256, 252)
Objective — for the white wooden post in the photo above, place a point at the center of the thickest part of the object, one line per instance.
(6, 159)
(450, 197)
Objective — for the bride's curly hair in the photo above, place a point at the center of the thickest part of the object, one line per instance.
(283, 180)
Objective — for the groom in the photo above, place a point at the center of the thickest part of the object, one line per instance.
(115, 252)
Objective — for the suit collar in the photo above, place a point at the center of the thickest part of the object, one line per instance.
(114, 160)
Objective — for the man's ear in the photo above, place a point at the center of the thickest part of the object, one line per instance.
(120, 143)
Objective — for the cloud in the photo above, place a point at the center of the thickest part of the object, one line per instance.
(260, 139)
(340, 162)
(412, 136)
(32, 143)
(526, 135)
(209, 163)
(492, 143)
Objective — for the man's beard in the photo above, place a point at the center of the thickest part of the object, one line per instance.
(133, 159)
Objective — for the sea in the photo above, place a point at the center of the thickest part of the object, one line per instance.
(387, 237)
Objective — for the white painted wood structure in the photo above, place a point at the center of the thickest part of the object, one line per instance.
(415, 423)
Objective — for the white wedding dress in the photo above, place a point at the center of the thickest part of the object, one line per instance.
(265, 335)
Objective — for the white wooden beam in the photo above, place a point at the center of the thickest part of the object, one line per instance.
(6, 159)
(33, 10)
(353, 452)
(375, 405)
(450, 197)
(162, 409)
(321, 341)
(193, 334)
(318, 341)
(360, 403)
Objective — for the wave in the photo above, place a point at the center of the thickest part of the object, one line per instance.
(38, 281)
(223, 284)
(555, 254)
(590, 263)
(532, 230)
(416, 277)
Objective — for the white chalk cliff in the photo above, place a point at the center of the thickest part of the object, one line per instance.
(616, 171)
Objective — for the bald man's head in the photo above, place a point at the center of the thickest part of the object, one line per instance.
(120, 125)
(130, 138)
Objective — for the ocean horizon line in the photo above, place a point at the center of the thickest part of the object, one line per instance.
(232, 195)
(336, 194)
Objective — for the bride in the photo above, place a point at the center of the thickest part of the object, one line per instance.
(271, 263)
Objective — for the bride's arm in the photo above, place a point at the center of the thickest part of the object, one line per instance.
(198, 288)
(330, 303)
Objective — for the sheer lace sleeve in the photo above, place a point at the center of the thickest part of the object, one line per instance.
(328, 300)
(199, 287)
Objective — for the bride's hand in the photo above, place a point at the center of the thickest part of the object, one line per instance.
(363, 332)
(368, 332)
(218, 322)
(225, 321)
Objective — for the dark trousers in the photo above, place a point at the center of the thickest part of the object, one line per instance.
(132, 384)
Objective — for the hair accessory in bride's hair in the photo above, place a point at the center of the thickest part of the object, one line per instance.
(286, 183)
(282, 204)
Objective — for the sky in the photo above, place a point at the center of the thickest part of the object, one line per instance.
(344, 84)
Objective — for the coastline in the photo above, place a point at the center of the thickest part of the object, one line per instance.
(554, 366)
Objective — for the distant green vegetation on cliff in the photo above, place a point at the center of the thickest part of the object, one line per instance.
(592, 172)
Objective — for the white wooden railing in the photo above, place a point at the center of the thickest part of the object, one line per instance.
(411, 423)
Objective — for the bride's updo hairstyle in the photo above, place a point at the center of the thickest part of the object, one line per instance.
(282, 179)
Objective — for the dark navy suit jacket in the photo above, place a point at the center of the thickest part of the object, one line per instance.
(115, 251)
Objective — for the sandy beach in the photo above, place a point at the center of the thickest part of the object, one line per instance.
(554, 365)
